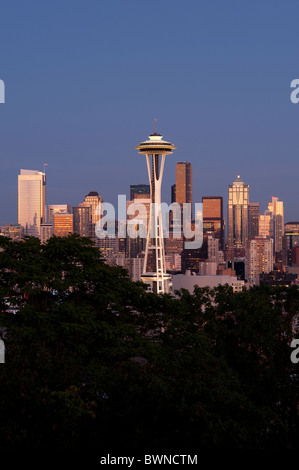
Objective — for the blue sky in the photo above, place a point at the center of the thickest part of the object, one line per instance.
(85, 80)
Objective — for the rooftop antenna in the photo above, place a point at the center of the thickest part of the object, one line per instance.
(155, 125)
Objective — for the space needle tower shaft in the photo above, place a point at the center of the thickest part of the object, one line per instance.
(154, 272)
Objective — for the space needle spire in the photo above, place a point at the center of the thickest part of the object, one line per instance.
(154, 272)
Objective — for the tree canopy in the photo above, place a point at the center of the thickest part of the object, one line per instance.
(93, 361)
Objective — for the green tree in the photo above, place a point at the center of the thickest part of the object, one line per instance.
(95, 362)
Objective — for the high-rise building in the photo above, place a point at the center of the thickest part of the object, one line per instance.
(265, 226)
(183, 182)
(253, 219)
(181, 191)
(213, 220)
(63, 224)
(81, 221)
(259, 259)
(58, 209)
(143, 189)
(136, 232)
(92, 201)
(289, 241)
(213, 248)
(31, 201)
(237, 214)
(277, 213)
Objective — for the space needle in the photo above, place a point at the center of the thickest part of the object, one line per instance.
(154, 272)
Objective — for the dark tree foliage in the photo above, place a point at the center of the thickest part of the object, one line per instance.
(95, 362)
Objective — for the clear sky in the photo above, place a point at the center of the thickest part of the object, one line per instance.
(85, 80)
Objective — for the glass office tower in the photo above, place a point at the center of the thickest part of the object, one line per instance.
(31, 201)
(237, 214)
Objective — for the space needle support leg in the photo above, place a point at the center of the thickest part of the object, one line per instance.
(150, 215)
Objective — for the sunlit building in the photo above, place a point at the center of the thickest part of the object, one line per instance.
(259, 259)
(63, 224)
(265, 224)
(277, 213)
(237, 214)
(31, 201)
(213, 220)
(138, 213)
(183, 182)
(92, 200)
(181, 191)
(58, 209)
(81, 221)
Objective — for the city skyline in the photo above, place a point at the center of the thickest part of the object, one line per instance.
(128, 194)
(77, 85)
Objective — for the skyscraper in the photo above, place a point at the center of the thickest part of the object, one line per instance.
(213, 220)
(31, 201)
(58, 209)
(92, 201)
(253, 219)
(181, 191)
(259, 259)
(265, 227)
(237, 214)
(63, 224)
(183, 182)
(276, 209)
(81, 221)
(290, 240)
(136, 244)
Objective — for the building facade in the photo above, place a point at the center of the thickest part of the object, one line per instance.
(289, 241)
(259, 259)
(63, 224)
(31, 201)
(213, 220)
(82, 221)
(183, 182)
(277, 215)
(253, 219)
(237, 214)
(58, 209)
